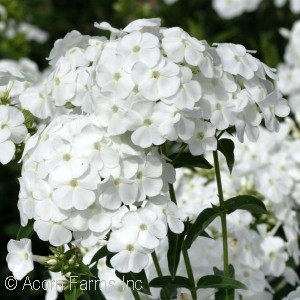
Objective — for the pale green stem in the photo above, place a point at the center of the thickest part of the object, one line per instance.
(189, 271)
(40, 259)
(223, 216)
(159, 273)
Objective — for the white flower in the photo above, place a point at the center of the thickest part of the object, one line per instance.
(203, 139)
(148, 177)
(62, 83)
(130, 255)
(115, 191)
(138, 46)
(147, 125)
(236, 60)
(36, 100)
(157, 82)
(72, 39)
(178, 45)
(274, 105)
(12, 131)
(150, 228)
(19, 258)
(168, 212)
(247, 121)
(112, 77)
(276, 257)
(75, 192)
(189, 91)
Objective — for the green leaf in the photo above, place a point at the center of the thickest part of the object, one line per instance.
(84, 270)
(27, 231)
(226, 147)
(178, 281)
(174, 251)
(74, 293)
(206, 235)
(102, 252)
(95, 295)
(225, 294)
(189, 161)
(198, 227)
(220, 272)
(245, 202)
(137, 281)
(219, 282)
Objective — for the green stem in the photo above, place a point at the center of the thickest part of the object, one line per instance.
(180, 152)
(135, 294)
(160, 274)
(189, 271)
(223, 216)
(184, 252)
(164, 151)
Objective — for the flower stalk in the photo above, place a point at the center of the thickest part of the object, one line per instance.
(189, 271)
(223, 216)
(159, 273)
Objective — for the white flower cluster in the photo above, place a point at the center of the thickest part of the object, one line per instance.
(10, 28)
(229, 9)
(159, 84)
(268, 168)
(75, 179)
(97, 168)
(289, 70)
(15, 77)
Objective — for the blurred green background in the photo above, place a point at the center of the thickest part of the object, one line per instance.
(257, 31)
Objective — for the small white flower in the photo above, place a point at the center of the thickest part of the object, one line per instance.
(236, 60)
(130, 255)
(12, 131)
(150, 228)
(19, 258)
(203, 139)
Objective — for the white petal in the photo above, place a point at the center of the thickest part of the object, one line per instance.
(7, 151)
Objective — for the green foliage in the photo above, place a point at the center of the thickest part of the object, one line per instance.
(226, 147)
(174, 251)
(177, 282)
(136, 281)
(219, 282)
(188, 160)
(245, 202)
(200, 224)
(26, 232)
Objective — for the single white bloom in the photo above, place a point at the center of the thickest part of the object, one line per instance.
(236, 60)
(19, 257)
(151, 229)
(180, 46)
(62, 83)
(203, 139)
(158, 82)
(138, 46)
(130, 255)
(36, 100)
(111, 77)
